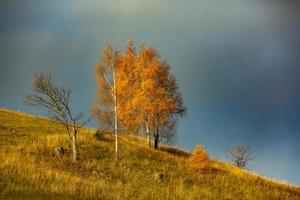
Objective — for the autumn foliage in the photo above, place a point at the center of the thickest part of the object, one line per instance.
(199, 161)
(137, 91)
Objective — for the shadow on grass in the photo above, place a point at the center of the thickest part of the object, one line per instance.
(175, 152)
(103, 136)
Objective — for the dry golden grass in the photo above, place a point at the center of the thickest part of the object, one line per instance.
(29, 168)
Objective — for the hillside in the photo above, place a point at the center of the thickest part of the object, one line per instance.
(29, 168)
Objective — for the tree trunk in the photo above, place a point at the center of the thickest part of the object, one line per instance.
(156, 136)
(74, 146)
(148, 134)
(116, 136)
(116, 117)
(69, 135)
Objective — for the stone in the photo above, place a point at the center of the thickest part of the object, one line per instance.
(159, 176)
(95, 173)
(119, 182)
(59, 151)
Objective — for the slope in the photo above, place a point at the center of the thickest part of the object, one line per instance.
(29, 168)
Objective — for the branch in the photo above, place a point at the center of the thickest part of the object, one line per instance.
(108, 82)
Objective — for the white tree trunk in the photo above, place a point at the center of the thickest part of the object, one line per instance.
(74, 146)
(148, 133)
(116, 117)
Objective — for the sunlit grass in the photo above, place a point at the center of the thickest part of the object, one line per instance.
(29, 168)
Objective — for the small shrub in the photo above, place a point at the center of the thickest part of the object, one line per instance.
(199, 161)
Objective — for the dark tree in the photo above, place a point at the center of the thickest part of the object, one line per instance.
(55, 100)
(167, 132)
(240, 156)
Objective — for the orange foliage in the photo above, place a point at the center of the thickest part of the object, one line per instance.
(152, 96)
(102, 108)
(115, 74)
(145, 91)
(199, 161)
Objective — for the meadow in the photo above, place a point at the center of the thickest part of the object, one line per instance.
(29, 168)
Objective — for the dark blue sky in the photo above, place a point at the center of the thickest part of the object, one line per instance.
(236, 61)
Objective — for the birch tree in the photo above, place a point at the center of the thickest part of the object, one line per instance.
(114, 73)
(160, 102)
(138, 90)
(105, 108)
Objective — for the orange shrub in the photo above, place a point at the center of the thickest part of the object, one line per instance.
(199, 161)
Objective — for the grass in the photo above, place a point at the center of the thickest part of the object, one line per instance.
(29, 168)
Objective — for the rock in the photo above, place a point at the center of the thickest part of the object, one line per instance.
(59, 151)
(159, 177)
(95, 173)
(119, 183)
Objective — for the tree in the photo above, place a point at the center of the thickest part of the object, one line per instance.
(240, 156)
(106, 108)
(127, 88)
(137, 89)
(115, 81)
(169, 128)
(160, 102)
(56, 99)
(153, 100)
(199, 161)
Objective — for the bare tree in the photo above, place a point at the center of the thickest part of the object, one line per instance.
(55, 99)
(240, 156)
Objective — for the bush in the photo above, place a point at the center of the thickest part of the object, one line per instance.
(199, 161)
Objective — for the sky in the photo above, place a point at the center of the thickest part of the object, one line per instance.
(237, 63)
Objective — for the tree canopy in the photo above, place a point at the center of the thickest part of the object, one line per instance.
(137, 91)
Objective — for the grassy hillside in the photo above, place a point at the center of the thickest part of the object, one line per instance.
(30, 170)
